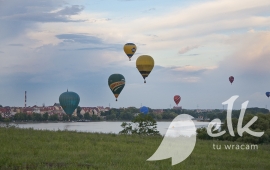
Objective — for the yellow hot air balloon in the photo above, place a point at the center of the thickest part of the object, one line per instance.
(145, 64)
(130, 49)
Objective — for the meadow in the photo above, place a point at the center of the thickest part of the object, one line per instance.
(35, 149)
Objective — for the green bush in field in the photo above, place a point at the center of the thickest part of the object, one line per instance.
(141, 125)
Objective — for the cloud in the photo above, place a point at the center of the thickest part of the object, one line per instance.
(21, 16)
(40, 11)
(187, 49)
(251, 53)
(82, 42)
(73, 10)
(193, 69)
(15, 44)
(84, 39)
(149, 10)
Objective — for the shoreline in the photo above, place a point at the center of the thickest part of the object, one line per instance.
(35, 122)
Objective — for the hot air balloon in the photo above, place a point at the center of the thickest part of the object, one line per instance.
(116, 83)
(177, 99)
(145, 64)
(267, 94)
(69, 101)
(144, 110)
(231, 79)
(130, 49)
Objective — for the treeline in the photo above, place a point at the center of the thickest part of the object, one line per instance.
(131, 112)
(262, 124)
(235, 113)
(23, 117)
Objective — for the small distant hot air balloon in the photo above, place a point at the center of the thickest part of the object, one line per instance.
(145, 64)
(144, 110)
(231, 79)
(116, 83)
(267, 94)
(130, 49)
(177, 99)
(69, 101)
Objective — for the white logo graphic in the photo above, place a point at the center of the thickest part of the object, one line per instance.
(179, 140)
(240, 129)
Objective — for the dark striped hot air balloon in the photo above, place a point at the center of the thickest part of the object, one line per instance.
(231, 79)
(116, 83)
(69, 101)
(130, 49)
(145, 64)
(177, 99)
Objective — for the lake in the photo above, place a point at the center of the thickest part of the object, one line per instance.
(102, 127)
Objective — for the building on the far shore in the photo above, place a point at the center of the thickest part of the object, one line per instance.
(177, 107)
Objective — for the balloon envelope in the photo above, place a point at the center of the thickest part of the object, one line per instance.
(145, 64)
(267, 94)
(231, 79)
(130, 49)
(177, 99)
(144, 110)
(69, 101)
(116, 83)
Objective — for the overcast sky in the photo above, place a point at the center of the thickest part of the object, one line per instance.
(47, 46)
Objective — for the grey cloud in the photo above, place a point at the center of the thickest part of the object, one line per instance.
(113, 47)
(191, 55)
(152, 35)
(19, 45)
(41, 17)
(85, 43)
(83, 39)
(73, 10)
(186, 49)
(37, 11)
(18, 16)
(150, 9)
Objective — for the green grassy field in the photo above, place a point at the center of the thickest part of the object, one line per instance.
(32, 149)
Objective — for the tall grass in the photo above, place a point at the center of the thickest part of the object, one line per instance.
(33, 149)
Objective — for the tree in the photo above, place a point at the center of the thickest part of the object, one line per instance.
(87, 116)
(36, 117)
(142, 125)
(65, 117)
(53, 117)
(45, 116)
(80, 116)
(94, 117)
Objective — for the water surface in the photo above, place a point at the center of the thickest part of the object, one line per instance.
(103, 127)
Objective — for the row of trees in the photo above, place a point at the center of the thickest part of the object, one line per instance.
(130, 114)
(47, 117)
